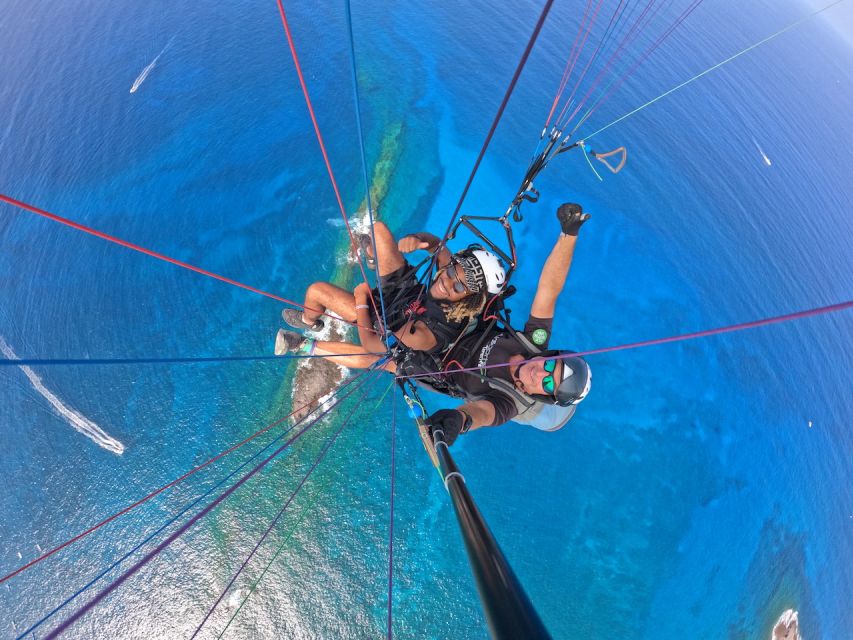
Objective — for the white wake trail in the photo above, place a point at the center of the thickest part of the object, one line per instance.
(141, 77)
(761, 151)
(77, 420)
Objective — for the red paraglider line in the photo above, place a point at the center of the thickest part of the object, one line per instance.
(797, 315)
(154, 493)
(147, 252)
(323, 146)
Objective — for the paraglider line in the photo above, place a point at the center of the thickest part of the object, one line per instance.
(163, 527)
(278, 516)
(391, 510)
(716, 66)
(648, 343)
(157, 492)
(33, 362)
(363, 157)
(149, 252)
(179, 532)
(322, 144)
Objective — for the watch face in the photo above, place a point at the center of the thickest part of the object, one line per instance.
(539, 337)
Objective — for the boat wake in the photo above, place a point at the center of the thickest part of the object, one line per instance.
(141, 77)
(77, 420)
(761, 151)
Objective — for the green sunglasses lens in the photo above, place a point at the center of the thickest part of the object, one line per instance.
(548, 381)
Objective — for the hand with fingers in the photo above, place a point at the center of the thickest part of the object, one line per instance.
(571, 217)
(410, 243)
(362, 293)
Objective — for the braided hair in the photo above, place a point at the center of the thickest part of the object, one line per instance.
(466, 309)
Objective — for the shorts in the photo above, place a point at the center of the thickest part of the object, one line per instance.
(400, 289)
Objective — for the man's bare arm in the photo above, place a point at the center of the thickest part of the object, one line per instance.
(368, 338)
(426, 241)
(482, 413)
(553, 277)
(556, 269)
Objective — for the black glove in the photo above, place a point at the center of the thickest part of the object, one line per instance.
(571, 217)
(451, 421)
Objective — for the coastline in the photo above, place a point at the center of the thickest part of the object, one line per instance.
(316, 379)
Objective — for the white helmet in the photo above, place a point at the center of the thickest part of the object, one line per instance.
(482, 269)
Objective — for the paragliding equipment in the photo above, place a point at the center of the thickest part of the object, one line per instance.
(523, 622)
(509, 612)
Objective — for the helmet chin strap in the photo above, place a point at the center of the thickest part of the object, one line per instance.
(516, 380)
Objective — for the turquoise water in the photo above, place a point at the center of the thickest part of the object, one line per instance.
(690, 496)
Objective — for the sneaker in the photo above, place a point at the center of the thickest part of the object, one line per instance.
(293, 317)
(365, 249)
(287, 342)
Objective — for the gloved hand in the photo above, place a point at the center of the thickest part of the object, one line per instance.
(451, 421)
(571, 217)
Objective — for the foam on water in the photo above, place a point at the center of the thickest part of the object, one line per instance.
(689, 492)
(148, 69)
(81, 423)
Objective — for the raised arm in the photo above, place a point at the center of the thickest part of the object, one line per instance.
(556, 269)
(427, 242)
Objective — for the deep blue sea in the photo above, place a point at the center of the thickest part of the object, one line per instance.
(703, 487)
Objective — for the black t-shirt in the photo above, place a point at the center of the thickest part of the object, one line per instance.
(496, 348)
(404, 298)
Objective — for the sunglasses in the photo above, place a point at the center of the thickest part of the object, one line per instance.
(548, 382)
(458, 286)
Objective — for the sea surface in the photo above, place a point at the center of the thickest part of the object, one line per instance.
(702, 488)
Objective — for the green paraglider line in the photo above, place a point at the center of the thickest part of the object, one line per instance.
(288, 535)
(326, 448)
(793, 25)
(302, 514)
(450, 474)
(586, 157)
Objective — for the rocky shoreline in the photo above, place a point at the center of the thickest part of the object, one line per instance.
(317, 378)
(787, 627)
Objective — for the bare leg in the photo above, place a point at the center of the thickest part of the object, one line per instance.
(388, 256)
(352, 356)
(322, 297)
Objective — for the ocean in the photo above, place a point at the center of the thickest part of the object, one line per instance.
(702, 489)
